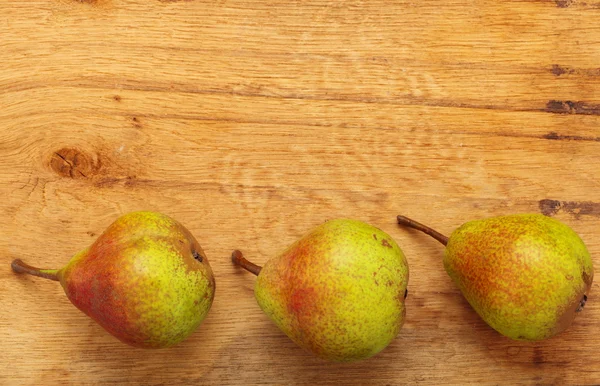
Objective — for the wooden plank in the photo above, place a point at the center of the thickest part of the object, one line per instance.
(253, 121)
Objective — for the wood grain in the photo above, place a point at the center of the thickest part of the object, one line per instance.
(253, 121)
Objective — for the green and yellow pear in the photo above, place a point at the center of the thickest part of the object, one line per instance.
(526, 275)
(338, 292)
(145, 280)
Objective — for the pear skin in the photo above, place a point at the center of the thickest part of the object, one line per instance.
(145, 280)
(338, 292)
(526, 275)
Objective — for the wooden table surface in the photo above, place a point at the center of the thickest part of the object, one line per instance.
(252, 122)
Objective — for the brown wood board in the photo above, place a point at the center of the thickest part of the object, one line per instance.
(252, 122)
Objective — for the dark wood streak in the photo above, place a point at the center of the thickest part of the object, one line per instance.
(559, 70)
(563, 3)
(558, 137)
(538, 356)
(570, 107)
(575, 208)
(93, 3)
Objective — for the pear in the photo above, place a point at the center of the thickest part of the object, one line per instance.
(338, 292)
(145, 280)
(526, 275)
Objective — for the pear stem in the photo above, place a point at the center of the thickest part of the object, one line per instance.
(238, 259)
(20, 267)
(403, 220)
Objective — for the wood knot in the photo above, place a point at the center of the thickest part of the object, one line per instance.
(73, 163)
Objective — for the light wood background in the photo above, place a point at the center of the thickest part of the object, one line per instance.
(253, 121)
